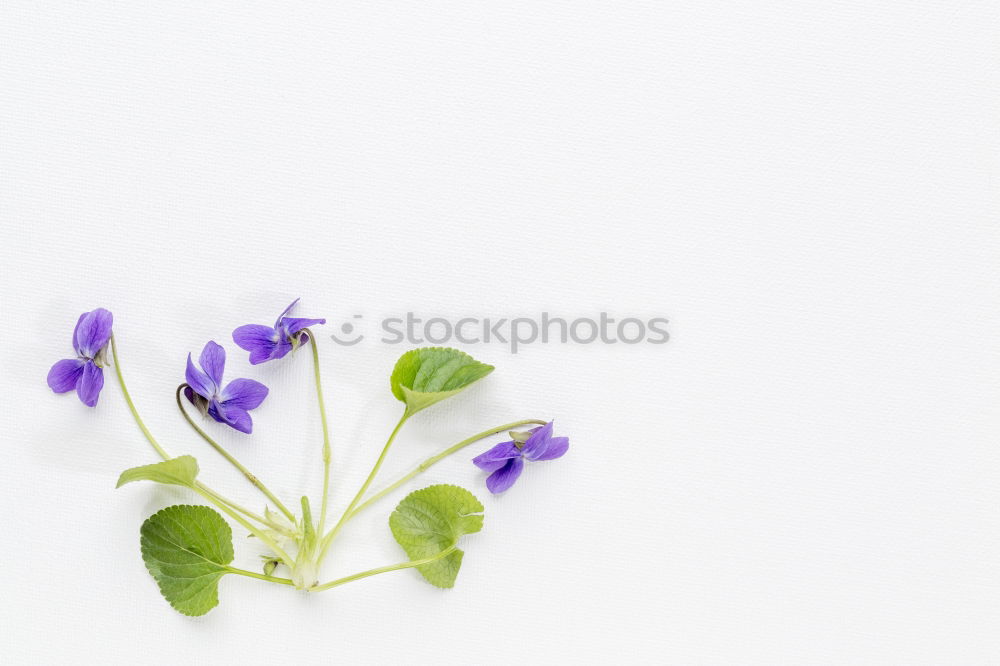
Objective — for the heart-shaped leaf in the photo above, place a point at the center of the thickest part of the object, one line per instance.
(431, 520)
(428, 375)
(186, 548)
(179, 471)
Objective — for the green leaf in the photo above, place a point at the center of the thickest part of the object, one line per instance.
(428, 375)
(431, 520)
(186, 548)
(180, 471)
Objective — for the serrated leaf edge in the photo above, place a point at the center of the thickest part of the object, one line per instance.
(406, 390)
(457, 552)
(159, 584)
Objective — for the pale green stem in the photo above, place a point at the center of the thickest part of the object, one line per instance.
(252, 478)
(251, 574)
(392, 567)
(131, 405)
(247, 512)
(328, 539)
(199, 487)
(326, 431)
(265, 539)
(308, 530)
(441, 456)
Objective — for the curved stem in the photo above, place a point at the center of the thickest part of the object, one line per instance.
(328, 539)
(245, 511)
(326, 431)
(251, 574)
(199, 487)
(268, 541)
(422, 467)
(392, 567)
(225, 454)
(131, 405)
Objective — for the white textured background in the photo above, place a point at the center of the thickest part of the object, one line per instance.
(807, 473)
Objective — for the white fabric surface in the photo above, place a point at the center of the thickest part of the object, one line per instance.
(806, 473)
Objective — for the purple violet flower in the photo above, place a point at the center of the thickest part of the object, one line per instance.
(506, 460)
(266, 343)
(84, 373)
(228, 405)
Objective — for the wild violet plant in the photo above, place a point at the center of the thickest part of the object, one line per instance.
(189, 548)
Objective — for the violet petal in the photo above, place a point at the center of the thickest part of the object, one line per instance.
(93, 330)
(64, 374)
(538, 441)
(497, 456)
(251, 336)
(198, 380)
(213, 361)
(278, 350)
(233, 416)
(90, 383)
(240, 419)
(557, 447)
(76, 331)
(504, 478)
(295, 324)
(263, 342)
(243, 393)
(277, 322)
